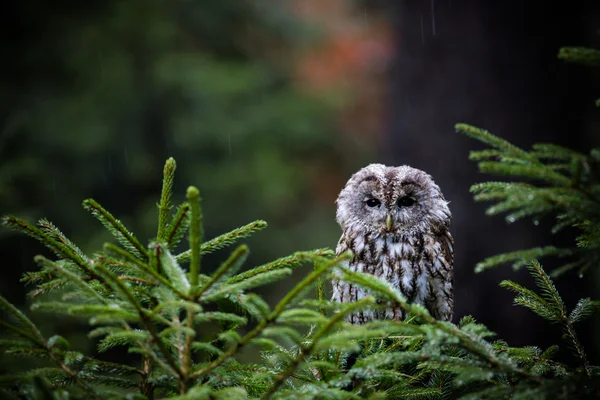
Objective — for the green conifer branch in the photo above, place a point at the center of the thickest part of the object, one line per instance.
(467, 341)
(195, 239)
(87, 289)
(224, 240)
(305, 283)
(140, 265)
(168, 265)
(230, 266)
(52, 231)
(73, 375)
(555, 152)
(580, 55)
(307, 349)
(196, 233)
(531, 300)
(493, 140)
(486, 154)
(29, 331)
(20, 332)
(279, 308)
(249, 283)
(521, 258)
(116, 228)
(44, 262)
(527, 171)
(178, 226)
(144, 318)
(418, 356)
(583, 309)
(549, 290)
(551, 307)
(174, 306)
(164, 207)
(292, 261)
(61, 250)
(566, 185)
(24, 324)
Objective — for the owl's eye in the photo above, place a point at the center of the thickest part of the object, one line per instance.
(406, 201)
(373, 202)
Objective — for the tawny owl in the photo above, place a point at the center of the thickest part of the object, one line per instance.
(395, 223)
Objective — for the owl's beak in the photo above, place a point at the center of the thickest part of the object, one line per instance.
(388, 222)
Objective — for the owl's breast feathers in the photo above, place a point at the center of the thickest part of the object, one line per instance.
(420, 266)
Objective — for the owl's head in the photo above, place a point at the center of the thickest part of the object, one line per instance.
(392, 200)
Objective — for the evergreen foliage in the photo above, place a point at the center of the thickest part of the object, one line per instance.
(115, 88)
(548, 180)
(182, 331)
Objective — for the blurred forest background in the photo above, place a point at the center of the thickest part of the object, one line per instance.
(269, 106)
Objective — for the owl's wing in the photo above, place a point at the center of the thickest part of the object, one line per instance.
(446, 242)
(337, 285)
(342, 246)
(443, 281)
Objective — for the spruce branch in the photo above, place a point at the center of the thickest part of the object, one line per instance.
(583, 309)
(144, 318)
(533, 301)
(279, 308)
(165, 199)
(73, 375)
(307, 349)
(225, 239)
(520, 258)
(292, 261)
(493, 140)
(27, 330)
(580, 55)
(527, 171)
(196, 233)
(309, 280)
(136, 279)
(417, 357)
(195, 239)
(550, 306)
(549, 290)
(168, 265)
(553, 151)
(52, 231)
(137, 263)
(63, 251)
(178, 226)
(87, 289)
(116, 228)
(76, 280)
(477, 347)
(230, 266)
(24, 326)
(249, 283)
(146, 386)
(566, 185)
(486, 154)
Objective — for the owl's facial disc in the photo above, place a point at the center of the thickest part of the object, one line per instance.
(390, 214)
(390, 201)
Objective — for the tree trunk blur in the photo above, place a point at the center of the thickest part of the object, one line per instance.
(493, 65)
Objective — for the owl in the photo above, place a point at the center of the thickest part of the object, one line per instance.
(395, 223)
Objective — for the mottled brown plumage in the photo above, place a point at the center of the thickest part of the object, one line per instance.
(395, 222)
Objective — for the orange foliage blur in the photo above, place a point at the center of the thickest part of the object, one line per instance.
(352, 56)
